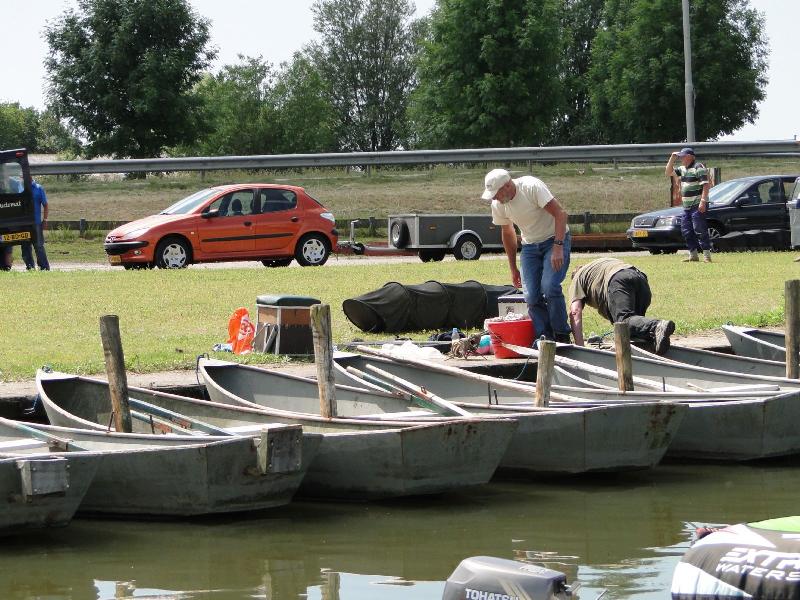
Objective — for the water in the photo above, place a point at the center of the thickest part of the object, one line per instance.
(623, 534)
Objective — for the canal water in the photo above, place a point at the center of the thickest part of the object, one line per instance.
(622, 534)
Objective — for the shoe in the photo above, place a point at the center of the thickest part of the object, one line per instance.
(664, 329)
(692, 257)
(563, 338)
(707, 256)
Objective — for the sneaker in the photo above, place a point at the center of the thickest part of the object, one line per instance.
(707, 256)
(664, 329)
(692, 257)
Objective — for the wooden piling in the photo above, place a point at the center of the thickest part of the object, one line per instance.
(792, 310)
(323, 355)
(544, 372)
(622, 346)
(115, 370)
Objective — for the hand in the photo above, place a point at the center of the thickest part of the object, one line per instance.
(516, 279)
(703, 206)
(557, 257)
(674, 154)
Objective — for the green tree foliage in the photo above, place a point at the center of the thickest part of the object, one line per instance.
(489, 75)
(121, 72)
(366, 58)
(580, 20)
(237, 110)
(305, 119)
(637, 76)
(18, 126)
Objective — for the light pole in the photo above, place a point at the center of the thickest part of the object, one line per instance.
(687, 67)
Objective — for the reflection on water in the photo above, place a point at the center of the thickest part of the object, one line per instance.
(622, 534)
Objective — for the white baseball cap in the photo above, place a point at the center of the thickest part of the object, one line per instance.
(495, 179)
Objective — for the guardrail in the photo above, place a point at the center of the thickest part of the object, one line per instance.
(620, 152)
(372, 224)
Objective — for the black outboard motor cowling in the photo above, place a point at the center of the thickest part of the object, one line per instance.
(489, 578)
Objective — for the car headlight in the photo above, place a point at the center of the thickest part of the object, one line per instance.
(667, 221)
(136, 233)
(329, 216)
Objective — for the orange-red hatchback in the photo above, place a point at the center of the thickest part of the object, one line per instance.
(270, 223)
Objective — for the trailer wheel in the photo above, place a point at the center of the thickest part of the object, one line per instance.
(468, 248)
(398, 234)
(431, 255)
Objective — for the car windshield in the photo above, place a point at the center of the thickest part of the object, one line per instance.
(727, 191)
(188, 204)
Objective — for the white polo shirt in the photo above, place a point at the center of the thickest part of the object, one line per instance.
(526, 210)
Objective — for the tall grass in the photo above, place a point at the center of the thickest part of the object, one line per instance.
(167, 318)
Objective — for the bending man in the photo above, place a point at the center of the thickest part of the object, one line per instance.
(527, 203)
(620, 293)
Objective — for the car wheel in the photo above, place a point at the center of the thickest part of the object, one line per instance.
(312, 250)
(715, 230)
(173, 253)
(431, 255)
(468, 248)
(277, 262)
(398, 234)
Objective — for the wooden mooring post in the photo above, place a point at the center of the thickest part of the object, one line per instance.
(544, 372)
(622, 347)
(115, 370)
(323, 357)
(792, 310)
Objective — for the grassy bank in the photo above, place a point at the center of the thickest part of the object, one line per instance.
(167, 318)
(597, 188)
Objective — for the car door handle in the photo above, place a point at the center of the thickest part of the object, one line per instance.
(248, 223)
(294, 219)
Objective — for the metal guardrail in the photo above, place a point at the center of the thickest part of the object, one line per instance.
(622, 152)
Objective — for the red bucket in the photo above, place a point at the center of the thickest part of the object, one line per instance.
(519, 333)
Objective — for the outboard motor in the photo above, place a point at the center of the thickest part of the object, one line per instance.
(489, 578)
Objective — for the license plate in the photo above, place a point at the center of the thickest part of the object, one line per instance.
(115, 259)
(639, 233)
(15, 237)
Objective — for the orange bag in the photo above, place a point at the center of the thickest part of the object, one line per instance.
(241, 332)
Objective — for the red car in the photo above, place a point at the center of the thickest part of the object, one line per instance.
(271, 223)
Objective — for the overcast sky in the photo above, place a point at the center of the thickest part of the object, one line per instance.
(274, 29)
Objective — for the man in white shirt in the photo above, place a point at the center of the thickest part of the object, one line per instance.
(527, 203)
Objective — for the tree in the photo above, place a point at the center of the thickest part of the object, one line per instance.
(366, 59)
(18, 126)
(580, 20)
(236, 110)
(122, 71)
(489, 74)
(637, 76)
(305, 119)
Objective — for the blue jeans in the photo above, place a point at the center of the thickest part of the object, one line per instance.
(695, 229)
(542, 288)
(41, 255)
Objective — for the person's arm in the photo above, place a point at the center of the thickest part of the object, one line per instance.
(576, 321)
(560, 216)
(704, 197)
(670, 170)
(45, 212)
(509, 237)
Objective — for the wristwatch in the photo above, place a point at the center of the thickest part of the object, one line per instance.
(558, 242)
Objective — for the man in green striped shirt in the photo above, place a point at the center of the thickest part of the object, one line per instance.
(694, 197)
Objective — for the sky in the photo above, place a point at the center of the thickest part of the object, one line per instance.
(275, 29)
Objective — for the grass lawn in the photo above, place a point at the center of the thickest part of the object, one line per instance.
(168, 318)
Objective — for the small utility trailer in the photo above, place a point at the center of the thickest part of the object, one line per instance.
(434, 236)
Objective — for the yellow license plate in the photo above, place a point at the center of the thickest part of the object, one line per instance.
(639, 233)
(15, 237)
(115, 259)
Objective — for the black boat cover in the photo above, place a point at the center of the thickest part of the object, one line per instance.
(752, 560)
(397, 308)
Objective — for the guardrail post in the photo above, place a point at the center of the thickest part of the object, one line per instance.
(82, 228)
(373, 225)
(587, 222)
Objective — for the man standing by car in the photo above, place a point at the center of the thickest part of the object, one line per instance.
(40, 210)
(693, 177)
(527, 203)
(621, 293)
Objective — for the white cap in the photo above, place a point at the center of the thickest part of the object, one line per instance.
(495, 179)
